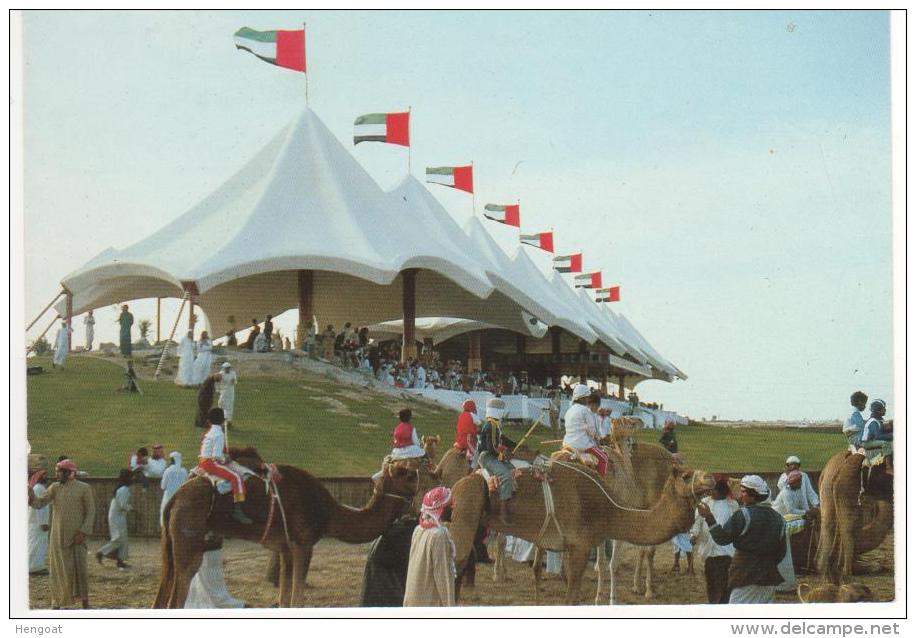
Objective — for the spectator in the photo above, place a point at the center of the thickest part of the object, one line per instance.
(137, 464)
(431, 571)
(117, 548)
(126, 320)
(252, 335)
(793, 464)
(74, 513)
(328, 337)
(716, 558)
(758, 535)
(39, 523)
(385, 576)
(668, 440)
(174, 476)
(155, 466)
(208, 587)
(268, 332)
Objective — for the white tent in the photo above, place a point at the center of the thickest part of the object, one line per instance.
(303, 203)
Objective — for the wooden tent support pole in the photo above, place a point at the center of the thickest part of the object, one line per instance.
(34, 321)
(43, 333)
(165, 346)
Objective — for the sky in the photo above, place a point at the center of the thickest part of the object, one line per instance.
(731, 171)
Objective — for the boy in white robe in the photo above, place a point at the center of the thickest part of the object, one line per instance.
(173, 477)
(39, 525)
(208, 587)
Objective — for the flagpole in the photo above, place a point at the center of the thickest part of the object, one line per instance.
(409, 142)
(305, 64)
(473, 195)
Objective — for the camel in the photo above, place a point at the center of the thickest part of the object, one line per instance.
(453, 467)
(830, 593)
(309, 514)
(853, 521)
(585, 514)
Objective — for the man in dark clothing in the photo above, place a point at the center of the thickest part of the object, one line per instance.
(205, 400)
(269, 330)
(758, 534)
(252, 335)
(385, 575)
(126, 320)
(668, 440)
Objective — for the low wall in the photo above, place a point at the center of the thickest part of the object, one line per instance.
(144, 519)
(353, 491)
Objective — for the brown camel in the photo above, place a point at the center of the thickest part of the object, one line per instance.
(309, 514)
(453, 467)
(852, 521)
(585, 514)
(650, 466)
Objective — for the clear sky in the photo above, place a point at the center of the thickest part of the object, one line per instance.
(731, 171)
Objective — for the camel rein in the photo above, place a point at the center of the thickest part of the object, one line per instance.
(608, 496)
(271, 489)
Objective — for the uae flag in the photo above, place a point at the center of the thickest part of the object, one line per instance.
(588, 280)
(460, 177)
(391, 128)
(568, 263)
(508, 214)
(544, 241)
(608, 294)
(283, 48)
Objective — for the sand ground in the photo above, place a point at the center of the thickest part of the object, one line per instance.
(335, 579)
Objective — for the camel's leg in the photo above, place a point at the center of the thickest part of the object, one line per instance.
(284, 598)
(600, 561)
(637, 572)
(650, 572)
(536, 572)
(186, 565)
(500, 574)
(576, 560)
(302, 558)
(616, 560)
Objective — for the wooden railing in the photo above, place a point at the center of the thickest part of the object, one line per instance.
(353, 491)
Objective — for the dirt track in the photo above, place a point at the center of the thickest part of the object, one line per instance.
(336, 576)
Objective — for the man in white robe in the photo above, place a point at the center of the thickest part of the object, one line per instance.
(61, 345)
(89, 322)
(39, 525)
(173, 477)
(204, 360)
(185, 375)
(228, 380)
(420, 381)
(208, 587)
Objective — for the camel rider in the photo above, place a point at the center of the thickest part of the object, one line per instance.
(582, 427)
(405, 439)
(855, 422)
(493, 448)
(212, 460)
(466, 430)
(874, 437)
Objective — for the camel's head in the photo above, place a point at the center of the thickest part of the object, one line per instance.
(689, 483)
(430, 444)
(399, 480)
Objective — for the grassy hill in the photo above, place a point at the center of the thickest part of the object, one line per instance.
(309, 420)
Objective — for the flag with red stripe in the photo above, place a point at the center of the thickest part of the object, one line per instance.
(460, 177)
(544, 241)
(588, 280)
(509, 214)
(282, 48)
(568, 263)
(608, 294)
(391, 128)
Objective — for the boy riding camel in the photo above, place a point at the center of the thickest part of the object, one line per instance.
(212, 460)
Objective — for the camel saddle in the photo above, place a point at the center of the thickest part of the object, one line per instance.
(245, 462)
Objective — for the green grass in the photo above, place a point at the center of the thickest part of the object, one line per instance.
(77, 411)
